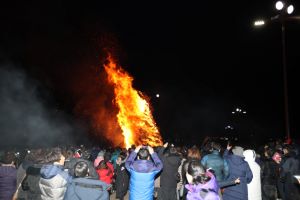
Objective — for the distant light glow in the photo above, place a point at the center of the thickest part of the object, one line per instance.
(290, 9)
(259, 23)
(229, 127)
(157, 95)
(244, 112)
(279, 5)
(233, 112)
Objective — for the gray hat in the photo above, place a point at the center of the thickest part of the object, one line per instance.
(238, 151)
(101, 154)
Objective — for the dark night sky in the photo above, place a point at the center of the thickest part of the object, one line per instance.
(203, 58)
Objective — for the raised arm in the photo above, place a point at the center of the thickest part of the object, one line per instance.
(226, 152)
(158, 165)
(223, 184)
(161, 150)
(130, 159)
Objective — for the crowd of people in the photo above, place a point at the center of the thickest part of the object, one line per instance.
(212, 171)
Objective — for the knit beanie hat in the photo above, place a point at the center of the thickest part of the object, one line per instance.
(238, 151)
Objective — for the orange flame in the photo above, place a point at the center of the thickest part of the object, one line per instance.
(134, 116)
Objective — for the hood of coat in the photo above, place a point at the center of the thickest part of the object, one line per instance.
(49, 171)
(238, 151)
(236, 160)
(249, 155)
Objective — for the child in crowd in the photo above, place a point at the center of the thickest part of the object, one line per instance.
(202, 184)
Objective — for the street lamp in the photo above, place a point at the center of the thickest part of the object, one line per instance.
(279, 5)
(238, 111)
(229, 127)
(284, 11)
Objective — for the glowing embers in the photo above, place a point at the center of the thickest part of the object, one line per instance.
(134, 116)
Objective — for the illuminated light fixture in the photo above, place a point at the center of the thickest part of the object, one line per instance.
(229, 127)
(290, 9)
(259, 23)
(244, 112)
(279, 5)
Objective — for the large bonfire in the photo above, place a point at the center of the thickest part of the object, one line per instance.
(134, 116)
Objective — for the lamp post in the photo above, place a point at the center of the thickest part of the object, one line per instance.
(285, 10)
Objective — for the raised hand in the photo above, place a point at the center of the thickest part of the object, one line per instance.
(150, 149)
(138, 148)
(166, 144)
(229, 147)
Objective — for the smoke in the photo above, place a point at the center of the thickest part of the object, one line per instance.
(94, 102)
(26, 118)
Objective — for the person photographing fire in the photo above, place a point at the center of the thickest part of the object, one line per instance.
(142, 172)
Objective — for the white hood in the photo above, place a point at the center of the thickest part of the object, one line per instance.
(250, 155)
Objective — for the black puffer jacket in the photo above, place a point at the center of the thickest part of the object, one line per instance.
(290, 168)
(169, 175)
(270, 172)
(122, 180)
(30, 184)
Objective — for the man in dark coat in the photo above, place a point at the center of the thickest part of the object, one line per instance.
(30, 181)
(290, 167)
(169, 175)
(270, 175)
(122, 177)
(238, 168)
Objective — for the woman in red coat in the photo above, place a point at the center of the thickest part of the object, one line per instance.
(105, 172)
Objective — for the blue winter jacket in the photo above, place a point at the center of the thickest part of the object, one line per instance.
(86, 188)
(238, 168)
(142, 175)
(217, 164)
